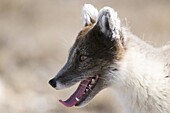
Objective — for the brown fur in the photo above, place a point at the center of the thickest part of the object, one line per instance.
(84, 31)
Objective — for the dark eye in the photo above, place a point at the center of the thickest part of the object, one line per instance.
(83, 57)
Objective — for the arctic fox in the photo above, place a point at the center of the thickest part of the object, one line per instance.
(106, 54)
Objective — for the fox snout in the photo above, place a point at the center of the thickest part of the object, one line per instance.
(58, 82)
(54, 82)
(65, 77)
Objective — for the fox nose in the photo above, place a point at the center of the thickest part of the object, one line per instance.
(52, 82)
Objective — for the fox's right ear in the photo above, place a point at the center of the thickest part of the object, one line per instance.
(90, 14)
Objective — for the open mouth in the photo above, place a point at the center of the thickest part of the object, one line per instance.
(82, 92)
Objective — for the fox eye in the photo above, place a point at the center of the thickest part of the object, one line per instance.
(83, 57)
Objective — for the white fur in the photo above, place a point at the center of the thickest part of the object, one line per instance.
(89, 12)
(142, 83)
(108, 15)
(59, 86)
(143, 80)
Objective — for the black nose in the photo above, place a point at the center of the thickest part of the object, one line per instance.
(52, 82)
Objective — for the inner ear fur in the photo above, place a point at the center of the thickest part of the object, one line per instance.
(89, 14)
(108, 22)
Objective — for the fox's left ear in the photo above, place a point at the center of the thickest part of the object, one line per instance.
(90, 14)
(109, 23)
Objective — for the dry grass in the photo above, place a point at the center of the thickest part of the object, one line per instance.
(35, 36)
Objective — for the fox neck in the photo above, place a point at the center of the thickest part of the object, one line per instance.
(137, 84)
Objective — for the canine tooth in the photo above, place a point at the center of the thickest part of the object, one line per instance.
(87, 90)
(90, 85)
(77, 99)
(93, 81)
(97, 76)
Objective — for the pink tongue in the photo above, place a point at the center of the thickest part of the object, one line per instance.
(71, 101)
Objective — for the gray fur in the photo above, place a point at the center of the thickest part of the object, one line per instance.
(138, 73)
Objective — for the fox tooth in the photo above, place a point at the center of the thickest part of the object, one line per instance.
(86, 90)
(93, 81)
(90, 85)
(97, 76)
(77, 99)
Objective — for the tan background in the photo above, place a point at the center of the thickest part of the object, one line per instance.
(35, 36)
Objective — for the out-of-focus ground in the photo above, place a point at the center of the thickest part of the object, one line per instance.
(35, 36)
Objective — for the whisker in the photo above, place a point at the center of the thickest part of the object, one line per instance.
(100, 77)
(103, 78)
(89, 88)
(88, 80)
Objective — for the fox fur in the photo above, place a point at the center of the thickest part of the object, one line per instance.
(138, 73)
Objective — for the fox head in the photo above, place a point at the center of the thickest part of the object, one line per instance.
(93, 58)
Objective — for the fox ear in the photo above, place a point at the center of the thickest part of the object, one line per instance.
(90, 14)
(109, 23)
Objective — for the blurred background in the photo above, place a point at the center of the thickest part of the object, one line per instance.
(35, 36)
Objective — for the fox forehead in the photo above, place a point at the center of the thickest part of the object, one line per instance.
(84, 31)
